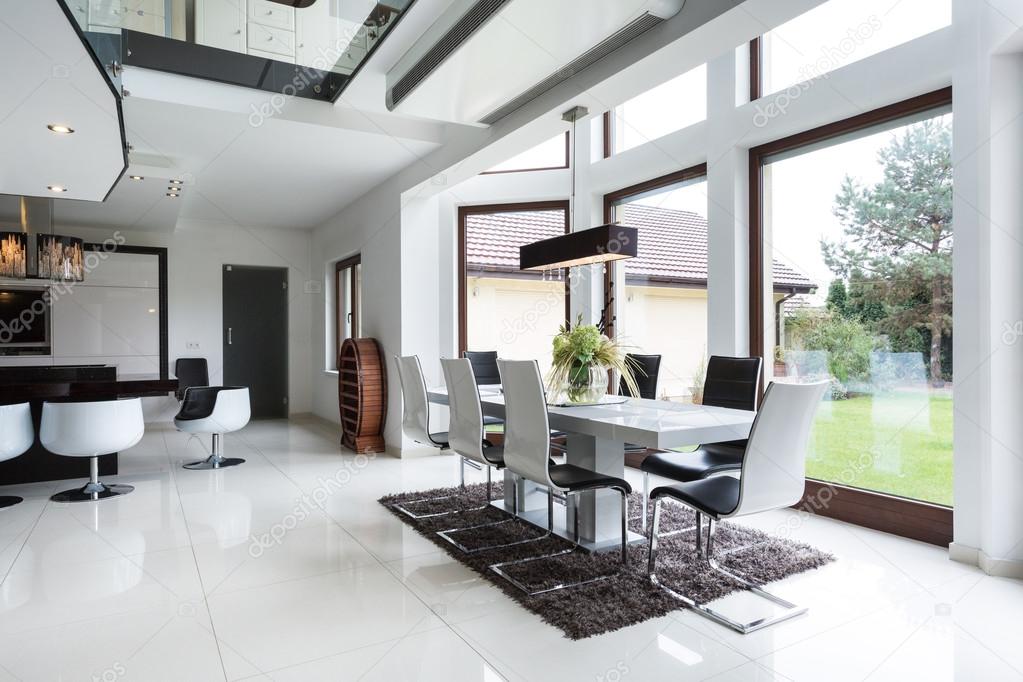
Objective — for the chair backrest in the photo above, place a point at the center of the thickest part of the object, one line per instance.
(527, 431)
(16, 430)
(88, 429)
(415, 415)
(190, 372)
(732, 382)
(484, 366)
(465, 425)
(774, 465)
(645, 369)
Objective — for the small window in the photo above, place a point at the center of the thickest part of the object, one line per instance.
(841, 32)
(671, 106)
(550, 155)
(348, 294)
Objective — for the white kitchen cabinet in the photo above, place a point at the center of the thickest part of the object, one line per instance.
(221, 24)
(271, 39)
(323, 40)
(272, 14)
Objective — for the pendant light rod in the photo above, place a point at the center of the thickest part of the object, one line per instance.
(573, 115)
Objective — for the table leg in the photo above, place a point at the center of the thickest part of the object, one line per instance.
(599, 511)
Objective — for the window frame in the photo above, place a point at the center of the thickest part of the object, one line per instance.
(567, 163)
(463, 215)
(919, 520)
(340, 266)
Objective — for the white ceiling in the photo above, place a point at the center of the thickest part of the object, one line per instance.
(49, 77)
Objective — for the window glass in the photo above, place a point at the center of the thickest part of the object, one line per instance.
(868, 222)
(672, 106)
(841, 32)
(513, 312)
(546, 156)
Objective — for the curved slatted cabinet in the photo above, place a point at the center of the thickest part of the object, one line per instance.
(362, 395)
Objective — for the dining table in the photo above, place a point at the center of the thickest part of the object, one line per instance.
(596, 435)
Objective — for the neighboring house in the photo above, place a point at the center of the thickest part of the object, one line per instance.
(664, 309)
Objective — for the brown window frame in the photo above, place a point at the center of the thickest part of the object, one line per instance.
(567, 163)
(617, 196)
(914, 519)
(756, 68)
(463, 214)
(339, 268)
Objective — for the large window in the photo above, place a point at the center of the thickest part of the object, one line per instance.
(864, 210)
(502, 308)
(549, 155)
(672, 106)
(348, 295)
(663, 309)
(841, 32)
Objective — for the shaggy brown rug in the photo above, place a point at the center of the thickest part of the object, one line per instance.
(627, 597)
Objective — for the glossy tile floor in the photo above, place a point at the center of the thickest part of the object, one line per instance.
(286, 568)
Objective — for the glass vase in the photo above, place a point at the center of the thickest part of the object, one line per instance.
(586, 384)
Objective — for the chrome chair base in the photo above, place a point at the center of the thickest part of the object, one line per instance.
(790, 610)
(91, 492)
(498, 568)
(461, 484)
(9, 501)
(214, 462)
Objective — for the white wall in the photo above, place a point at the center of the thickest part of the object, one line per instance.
(196, 253)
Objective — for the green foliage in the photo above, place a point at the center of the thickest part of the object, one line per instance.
(847, 342)
(897, 250)
(838, 300)
(577, 349)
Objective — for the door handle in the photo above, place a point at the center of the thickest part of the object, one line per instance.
(229, 342)
(349, 318)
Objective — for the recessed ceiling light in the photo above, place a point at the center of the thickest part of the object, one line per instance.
(60, 129)
(136, 177)
(176, 182)
(171, 194)
(56, 188)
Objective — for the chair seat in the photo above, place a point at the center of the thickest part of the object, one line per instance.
(494, 454)
(491, 421)
(572, 478)
(707, 460)
(717, 496)
(440, 439)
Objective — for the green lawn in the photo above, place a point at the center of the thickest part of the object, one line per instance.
(898, 443)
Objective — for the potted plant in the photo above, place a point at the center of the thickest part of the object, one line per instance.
(582, 357)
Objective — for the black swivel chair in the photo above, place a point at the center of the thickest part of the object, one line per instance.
(190, 372)
(732, 383)
(484, 366)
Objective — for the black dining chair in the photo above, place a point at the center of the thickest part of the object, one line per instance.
(190, 372)
(732, 383)
(645, 371)
(484, 366)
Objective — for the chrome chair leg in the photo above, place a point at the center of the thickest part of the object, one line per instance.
(461, 484)
(790, 610)
(448, 533)
(216, 460)
(93, 490)
(646, 498)
(699, 535)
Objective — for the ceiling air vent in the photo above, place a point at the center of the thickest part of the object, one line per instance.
(483, 59)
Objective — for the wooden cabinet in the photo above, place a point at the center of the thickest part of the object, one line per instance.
(362, 395)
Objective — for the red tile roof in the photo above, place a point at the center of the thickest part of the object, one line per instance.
(672, 245)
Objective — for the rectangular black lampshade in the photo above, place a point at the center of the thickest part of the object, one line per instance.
(595, 245)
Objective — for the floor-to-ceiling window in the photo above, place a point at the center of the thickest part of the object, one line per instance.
(503, 308)
(663, 308)
(863, 207)
(671, 106)
(348, 295)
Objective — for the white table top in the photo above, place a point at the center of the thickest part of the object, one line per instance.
(656, 424)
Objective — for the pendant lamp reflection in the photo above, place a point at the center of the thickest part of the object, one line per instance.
(13, 255)
(61, 258)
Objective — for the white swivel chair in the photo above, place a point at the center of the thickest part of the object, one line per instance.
(527, 446)
(16, 436)
(91, 429)
(772, 476)
(215, 410)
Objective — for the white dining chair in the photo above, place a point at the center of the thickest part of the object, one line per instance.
(527, 444)
(217, 411)
(772, 476)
